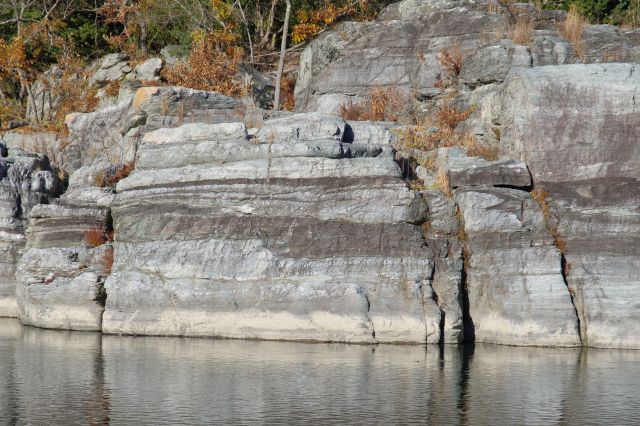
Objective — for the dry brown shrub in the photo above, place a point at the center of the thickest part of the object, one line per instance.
(351, 111)
(540, 196)
(416, 185)
(385, 103)
(442, 183)
(287, 87)
(419, 137)
(438, 130)
(98, 236)
(112, 89)
(382, 103)
(522, 30)
(10, 110)
(448, 116)
(573, 29)
(107, 261)
(451, 60)
(74, 92)
(426, 227)
(475, 149)
(212, 65)
(114, 174)
(428, 163)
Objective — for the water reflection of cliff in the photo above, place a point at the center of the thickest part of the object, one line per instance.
(51, 377)
(69, 378)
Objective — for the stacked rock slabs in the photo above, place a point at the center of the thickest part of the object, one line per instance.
(61, 276)
(292, 234)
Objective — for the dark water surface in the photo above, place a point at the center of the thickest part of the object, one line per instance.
(53, 377)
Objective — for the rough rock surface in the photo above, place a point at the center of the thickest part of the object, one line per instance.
(41, 103)
(402, 47)
(25, 181)
(514, 282)
(282, 237)
(303, 227)
(475, 171)
(60, 275)
(148, 70)
(399, 49)
(577, 129)
(112, 133)
(112, 67)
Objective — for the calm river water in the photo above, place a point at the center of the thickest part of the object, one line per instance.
(53, 377)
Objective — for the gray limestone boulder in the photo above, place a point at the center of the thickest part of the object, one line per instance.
(515, 287)
(25, 181)
(402, 49)
(399, 49)
(286, 238)
(263, 86)
(577, 129)
(606, 43)
(67, 257)
(550, 50)
(476, 171)
(302, 127)
(491, 63)
(112, 133)
(112, 67)
(41, 103)
(148, 70)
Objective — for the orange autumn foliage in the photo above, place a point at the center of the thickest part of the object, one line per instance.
(213, 65)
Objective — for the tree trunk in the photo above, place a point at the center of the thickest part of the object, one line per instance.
(142, 39)
(283, 52)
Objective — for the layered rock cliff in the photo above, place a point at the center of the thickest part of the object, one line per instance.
(292, 234)
(245, 224)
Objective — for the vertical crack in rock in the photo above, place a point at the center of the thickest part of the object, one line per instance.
(467, 322)
(68, 255)
(577, 300)
(101, 291)
(440, 234)
(436, 299)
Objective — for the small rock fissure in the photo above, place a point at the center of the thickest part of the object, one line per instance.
(436, 299)
(572, 295)
(467, 321)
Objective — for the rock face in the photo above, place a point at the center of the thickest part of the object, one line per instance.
(112, 133)
(577, 129)
(25, 181)
(110, 68)
(402, 49)
(399, 49)
(283, 236)
(62, 271)
(514, 281)
(304, 227)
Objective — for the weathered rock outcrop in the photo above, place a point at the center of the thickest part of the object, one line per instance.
(288, 235)
(66, 259)
(402, 46)
(577, 129)
(113, 132)
(25, 181)
(304, 227)
(514, 280)
(398, 49)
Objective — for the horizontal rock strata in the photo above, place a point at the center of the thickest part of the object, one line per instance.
(287, 235)
(25, 181)
(514, 283)
(66, 260)
(577, 129)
